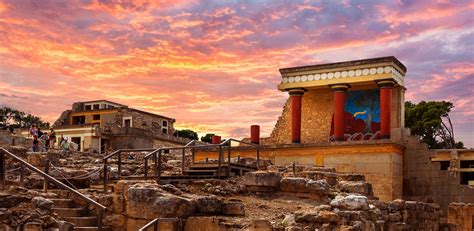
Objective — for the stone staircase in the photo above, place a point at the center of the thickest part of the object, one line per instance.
(79, 215)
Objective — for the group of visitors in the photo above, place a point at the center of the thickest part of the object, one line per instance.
(42, 141)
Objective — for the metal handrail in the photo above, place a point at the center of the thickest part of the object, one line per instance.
(227, 143)
(153, 223)
(3, 151)
(119, 163)
(156, 223)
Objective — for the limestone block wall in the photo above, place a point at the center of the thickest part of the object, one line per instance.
(281, 133)
(424, 180)
(146, 121)
(316, 116)
(380, 161)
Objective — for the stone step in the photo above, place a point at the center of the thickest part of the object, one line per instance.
(91, 228)
(201, 172)
(82, 221)
(70, 212)
(62, 203)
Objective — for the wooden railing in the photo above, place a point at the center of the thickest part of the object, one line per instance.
(47, 178)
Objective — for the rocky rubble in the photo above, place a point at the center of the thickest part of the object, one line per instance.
(323, 199)
(23, 209)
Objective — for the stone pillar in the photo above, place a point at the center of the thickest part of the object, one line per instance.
(295, 97)
(339, 102)
(216, 139)
(386, 87)
(255, 134)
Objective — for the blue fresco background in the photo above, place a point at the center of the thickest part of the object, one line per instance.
(368, 95)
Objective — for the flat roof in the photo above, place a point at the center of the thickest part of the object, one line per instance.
(363, 72)
(102, 100)
(344, 64)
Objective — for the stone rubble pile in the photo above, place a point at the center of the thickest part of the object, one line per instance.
(342, 201)
(23, 209)
(346, 204)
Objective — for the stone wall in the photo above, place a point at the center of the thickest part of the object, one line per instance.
(145, 121)
(316, 117)
(380, 161)
(462, 215)
(424, 180)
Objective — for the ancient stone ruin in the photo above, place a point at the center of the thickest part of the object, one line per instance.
(339, 158)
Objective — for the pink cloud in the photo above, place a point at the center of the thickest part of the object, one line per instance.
(214, 66)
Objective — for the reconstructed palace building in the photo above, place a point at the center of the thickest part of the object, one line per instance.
(350, 116)
(100, 124)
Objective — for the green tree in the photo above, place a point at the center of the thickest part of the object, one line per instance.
(431, 121)
(187, 133)
(20, 119)
(207, 138)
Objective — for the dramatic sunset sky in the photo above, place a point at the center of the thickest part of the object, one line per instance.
(213, 65)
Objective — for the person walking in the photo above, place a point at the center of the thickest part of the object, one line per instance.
(33, 130)
(64, 146)
(52, 138)
(35, 143)
(44, 142)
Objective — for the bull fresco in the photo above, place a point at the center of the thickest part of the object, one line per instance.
(362, 115)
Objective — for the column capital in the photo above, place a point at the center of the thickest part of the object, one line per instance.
(386, 83)
(339, 87)
(297, 91)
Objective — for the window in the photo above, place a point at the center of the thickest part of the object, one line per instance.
(444, 165)
(88, 107)
(110, 106)
(467, 178)
(96, 117)
(78, 120)
(164, 127)
(127, 122)
(96, 106)
(467, 163)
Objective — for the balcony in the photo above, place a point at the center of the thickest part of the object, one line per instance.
(131, 131)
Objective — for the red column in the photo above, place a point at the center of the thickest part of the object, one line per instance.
(339, 102)
(255, 134)
(295, 97)
(386, 87)
(216, 139)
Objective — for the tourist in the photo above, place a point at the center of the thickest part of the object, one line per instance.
(39, 133)
(35, 143)
(33, 130)
(44, 142)
(64, 145)
(52, 138)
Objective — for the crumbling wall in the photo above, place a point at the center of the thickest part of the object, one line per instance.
(424, 180)
(316, 115)
(63, 119)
